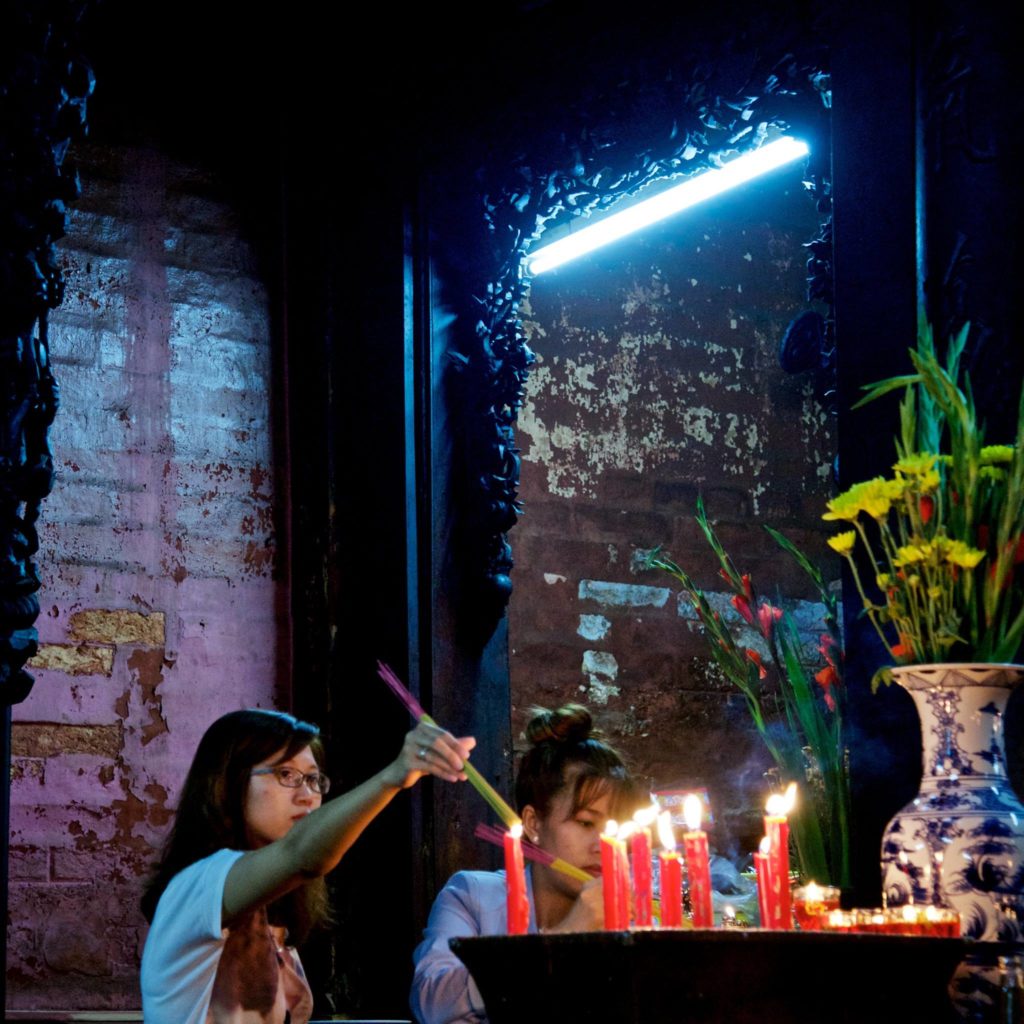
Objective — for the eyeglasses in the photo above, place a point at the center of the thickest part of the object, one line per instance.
(292, 778)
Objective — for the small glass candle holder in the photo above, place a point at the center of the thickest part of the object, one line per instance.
(812, 904)
(838, 921)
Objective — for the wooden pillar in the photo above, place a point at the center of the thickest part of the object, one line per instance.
(874, 131)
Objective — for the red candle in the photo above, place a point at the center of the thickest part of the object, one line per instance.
(670, 875)
(614, 880)
(625, 900)
(698, 870)
(640, 853)
(517, 904)
(764, 885)
(776, 828)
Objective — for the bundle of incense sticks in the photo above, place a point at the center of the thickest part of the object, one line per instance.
(495, 835)
(480, 784)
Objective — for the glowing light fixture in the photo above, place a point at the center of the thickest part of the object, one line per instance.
(690, 192)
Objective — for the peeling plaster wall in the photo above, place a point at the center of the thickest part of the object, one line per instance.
(658, 380)
(161, 608)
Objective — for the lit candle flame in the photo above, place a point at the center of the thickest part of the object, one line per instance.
(646, 815)
(766, 845)
(692, 812)
(665, 834)
(626, 829)
(779, 805)
(611, 828)
(813, 893)
(516, 831)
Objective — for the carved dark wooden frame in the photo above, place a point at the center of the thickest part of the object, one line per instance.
(662, 118)
(44, 88)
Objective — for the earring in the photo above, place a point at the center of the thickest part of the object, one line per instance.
(536, 839)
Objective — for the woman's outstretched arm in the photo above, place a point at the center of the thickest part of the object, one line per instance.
(317, 843)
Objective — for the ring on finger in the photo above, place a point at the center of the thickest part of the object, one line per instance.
(422, 753)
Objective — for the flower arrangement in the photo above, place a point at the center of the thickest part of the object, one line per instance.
(934, 549)
(795, 697)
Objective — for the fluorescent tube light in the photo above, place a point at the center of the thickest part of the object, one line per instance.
(690, 192)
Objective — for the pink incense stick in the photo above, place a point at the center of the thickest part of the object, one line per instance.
(482, 786)
(493, 834)
(532, 852)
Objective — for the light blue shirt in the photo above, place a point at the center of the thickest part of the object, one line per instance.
(472, 903)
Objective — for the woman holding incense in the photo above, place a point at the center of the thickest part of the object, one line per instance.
(568, 785)
(240, 881)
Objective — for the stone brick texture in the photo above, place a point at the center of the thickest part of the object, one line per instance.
(658, 381)
(162, 594)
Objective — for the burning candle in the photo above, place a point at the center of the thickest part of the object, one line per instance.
(698, 870)
(640, 853)
(517, 904)
(811, 903)
(626, 829)
(614, 879)
(670, 874)
(776, 828)
(764, 885)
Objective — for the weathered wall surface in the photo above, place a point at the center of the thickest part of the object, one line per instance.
(161, 606)
(658, 380)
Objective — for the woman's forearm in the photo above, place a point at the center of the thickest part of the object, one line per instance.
(317, 842)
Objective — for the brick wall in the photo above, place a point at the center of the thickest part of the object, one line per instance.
(658, 380)
(161, 603)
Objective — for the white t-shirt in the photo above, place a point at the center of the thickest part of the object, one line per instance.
(196, 972)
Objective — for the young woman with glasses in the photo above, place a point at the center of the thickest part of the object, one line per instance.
(240, 881)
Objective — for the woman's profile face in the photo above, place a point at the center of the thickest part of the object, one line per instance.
(272, 809)
(575, 837)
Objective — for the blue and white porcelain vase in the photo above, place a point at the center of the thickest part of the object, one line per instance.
(960, 842)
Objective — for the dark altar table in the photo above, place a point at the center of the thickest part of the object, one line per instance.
(721, 976)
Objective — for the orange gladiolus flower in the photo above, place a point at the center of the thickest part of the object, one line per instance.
(762, 672)
(742, 605)
(826, 679)
(767, 616)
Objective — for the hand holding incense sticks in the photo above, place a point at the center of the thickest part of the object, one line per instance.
(480, 784)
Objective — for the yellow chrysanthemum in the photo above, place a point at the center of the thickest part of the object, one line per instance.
(919, 464)
(995, 453)
(873, 497)
(959, 553)
(843, 542)
(909, 555)
(883, 580)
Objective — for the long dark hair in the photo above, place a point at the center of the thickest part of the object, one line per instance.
(211, 811)
(567, 750)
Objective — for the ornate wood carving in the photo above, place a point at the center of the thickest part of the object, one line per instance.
(44, 87)
(675, 112)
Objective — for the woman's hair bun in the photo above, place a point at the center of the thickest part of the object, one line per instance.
(571, 723)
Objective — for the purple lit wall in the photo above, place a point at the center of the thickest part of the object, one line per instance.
(162, 606)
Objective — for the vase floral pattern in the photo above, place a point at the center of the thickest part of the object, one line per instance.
(960, 842)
